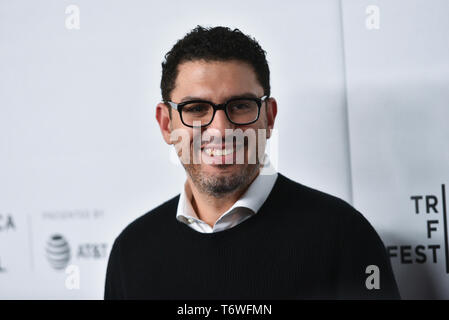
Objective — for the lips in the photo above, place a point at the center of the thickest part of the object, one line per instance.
(214, 151)
(220, 154)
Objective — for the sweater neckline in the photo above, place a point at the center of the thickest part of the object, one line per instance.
(261, 214)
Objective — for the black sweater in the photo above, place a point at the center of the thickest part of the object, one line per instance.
(302, 244)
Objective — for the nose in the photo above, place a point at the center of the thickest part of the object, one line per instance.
(220, 123)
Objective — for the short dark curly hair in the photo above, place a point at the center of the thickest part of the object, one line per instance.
(214, 44)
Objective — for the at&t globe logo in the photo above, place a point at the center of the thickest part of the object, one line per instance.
(57, 251)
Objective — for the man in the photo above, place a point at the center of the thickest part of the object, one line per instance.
(233, 232)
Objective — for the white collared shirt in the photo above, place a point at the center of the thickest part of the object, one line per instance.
(245, 207)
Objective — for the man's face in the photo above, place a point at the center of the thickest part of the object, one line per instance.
(217, 82)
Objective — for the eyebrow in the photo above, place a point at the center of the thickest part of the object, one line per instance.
(243, 95)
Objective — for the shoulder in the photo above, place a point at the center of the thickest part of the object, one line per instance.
(150, 224)
(298, 195)
(332, 218)
(318, 205)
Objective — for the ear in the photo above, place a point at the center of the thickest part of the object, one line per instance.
(272, 110)
(164, 121)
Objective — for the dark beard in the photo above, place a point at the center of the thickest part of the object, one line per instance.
(222, 185)
(218, 186)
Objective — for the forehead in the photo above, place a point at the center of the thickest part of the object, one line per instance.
(215, 80)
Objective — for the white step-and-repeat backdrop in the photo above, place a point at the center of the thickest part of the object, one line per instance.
(363, 95)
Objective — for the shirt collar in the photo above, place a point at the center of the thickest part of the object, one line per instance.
(253, 198)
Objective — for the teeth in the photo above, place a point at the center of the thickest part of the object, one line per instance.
(218, 152)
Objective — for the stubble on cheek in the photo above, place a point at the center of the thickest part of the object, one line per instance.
(217, 179)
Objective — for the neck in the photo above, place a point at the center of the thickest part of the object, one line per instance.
(209, 208)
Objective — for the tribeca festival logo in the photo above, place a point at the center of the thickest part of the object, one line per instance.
(434, 208)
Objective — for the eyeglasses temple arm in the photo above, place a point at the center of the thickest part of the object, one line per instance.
(172, 104)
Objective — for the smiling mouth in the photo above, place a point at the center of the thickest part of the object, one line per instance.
(215, 152)
(221, 150)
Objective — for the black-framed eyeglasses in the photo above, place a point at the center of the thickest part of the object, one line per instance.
(239, 111)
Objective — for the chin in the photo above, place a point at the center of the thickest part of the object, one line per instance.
(224, 168)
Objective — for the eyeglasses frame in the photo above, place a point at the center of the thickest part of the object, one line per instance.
(216, 107)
